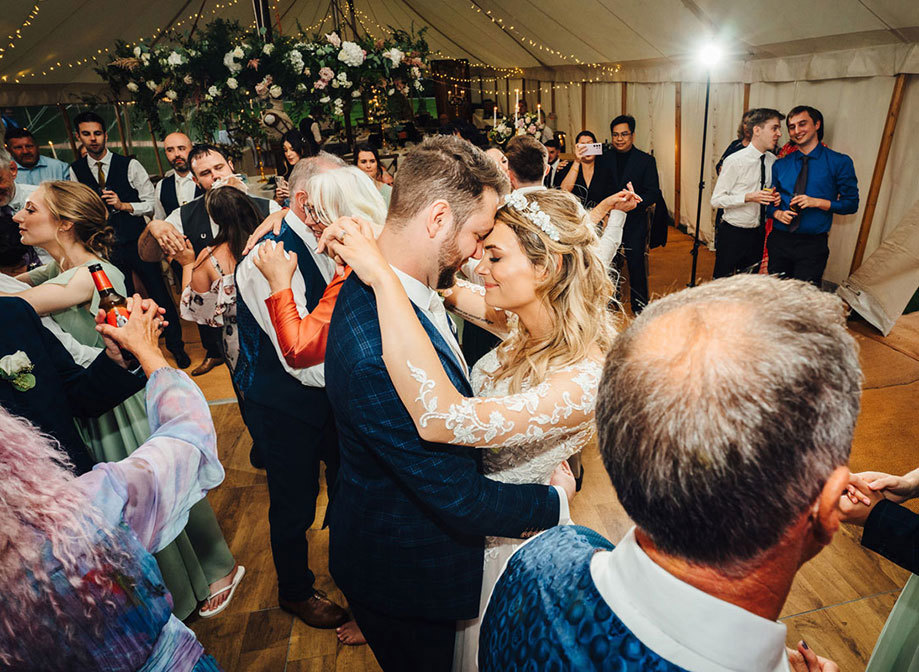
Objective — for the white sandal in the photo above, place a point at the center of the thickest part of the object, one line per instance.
(237, 577)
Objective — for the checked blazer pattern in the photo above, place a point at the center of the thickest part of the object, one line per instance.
(409, 517)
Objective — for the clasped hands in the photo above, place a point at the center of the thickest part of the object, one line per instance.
(867, 488)
(139, 336)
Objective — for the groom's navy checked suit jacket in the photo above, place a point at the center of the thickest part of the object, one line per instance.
(408, 519)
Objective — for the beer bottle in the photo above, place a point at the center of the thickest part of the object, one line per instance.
(114, 305)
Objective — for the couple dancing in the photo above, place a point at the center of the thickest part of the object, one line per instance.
(413, 521)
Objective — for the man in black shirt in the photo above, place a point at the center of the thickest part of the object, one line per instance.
(629, 164)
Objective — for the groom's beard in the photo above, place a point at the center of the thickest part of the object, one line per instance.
(449, 261)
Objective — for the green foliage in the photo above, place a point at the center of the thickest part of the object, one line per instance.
(225, 76)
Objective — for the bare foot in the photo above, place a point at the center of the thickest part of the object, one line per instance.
(350, 634)
(213, 602)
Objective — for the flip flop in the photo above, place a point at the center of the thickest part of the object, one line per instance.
(203, 613)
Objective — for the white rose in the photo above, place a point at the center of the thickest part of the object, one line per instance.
(171, 95)
(356, 93)
(238, 52)
(416, 72)
(335, 83)
(275, 91)
(213, 91)
(136, 52)
(267, 49)
(188, 79)
(324, 99)
(351, 54)
(394, 55)
(301, 87)
(152, 85)
(419, 85)
(232, 83)
(15, 363)
(132, 86)
(175, 58)
(145, 58)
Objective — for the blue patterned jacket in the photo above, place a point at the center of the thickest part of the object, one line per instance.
(409, 517)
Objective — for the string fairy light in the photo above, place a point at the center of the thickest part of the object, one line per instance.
(17, 34)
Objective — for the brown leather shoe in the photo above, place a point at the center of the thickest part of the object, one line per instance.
(318, 611)
(205, 366)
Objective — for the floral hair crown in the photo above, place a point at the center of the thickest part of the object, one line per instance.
(532, 211)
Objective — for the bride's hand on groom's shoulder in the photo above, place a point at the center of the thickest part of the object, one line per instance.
(350, 241)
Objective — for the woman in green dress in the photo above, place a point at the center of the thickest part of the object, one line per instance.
(68, 219)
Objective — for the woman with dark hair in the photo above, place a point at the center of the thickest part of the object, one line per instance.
(368, 160)
(208, 286)
(295, 148)
(68, 219)
(580, 179)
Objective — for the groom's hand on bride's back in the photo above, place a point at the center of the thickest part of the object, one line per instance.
(564, 478)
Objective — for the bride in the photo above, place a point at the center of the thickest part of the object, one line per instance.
(546, 293)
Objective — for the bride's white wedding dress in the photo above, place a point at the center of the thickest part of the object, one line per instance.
(543, 426)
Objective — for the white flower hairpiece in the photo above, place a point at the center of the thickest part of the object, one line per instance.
(532, 211)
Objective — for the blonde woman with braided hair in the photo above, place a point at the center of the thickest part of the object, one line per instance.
(546, 292)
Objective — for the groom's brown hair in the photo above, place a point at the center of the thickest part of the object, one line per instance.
(448, 168)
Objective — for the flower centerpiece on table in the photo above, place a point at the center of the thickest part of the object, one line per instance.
(529, 124)
(501, 133)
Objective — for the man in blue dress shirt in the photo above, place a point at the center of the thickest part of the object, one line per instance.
(814, 184)
(33, 167)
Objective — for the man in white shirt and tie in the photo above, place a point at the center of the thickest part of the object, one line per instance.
(743, 190)
(126, 189)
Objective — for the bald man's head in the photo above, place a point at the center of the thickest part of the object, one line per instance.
(177, 146)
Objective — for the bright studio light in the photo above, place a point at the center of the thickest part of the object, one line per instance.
(710, 55)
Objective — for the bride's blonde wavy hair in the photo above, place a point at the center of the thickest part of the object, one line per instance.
(575, 289)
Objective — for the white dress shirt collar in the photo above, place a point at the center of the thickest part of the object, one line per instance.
(418, 292)
(530, 189)
(106, 161)
(681, 623)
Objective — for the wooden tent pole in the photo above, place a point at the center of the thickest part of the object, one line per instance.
(124, 142)
(678, 118)
(156, 149)
(746, 96)
(896, 99)
(625, 88)
(583, 105)
(69, 127)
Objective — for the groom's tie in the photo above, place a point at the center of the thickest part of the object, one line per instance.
(445, 326)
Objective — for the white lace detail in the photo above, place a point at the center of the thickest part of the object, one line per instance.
(471, 286)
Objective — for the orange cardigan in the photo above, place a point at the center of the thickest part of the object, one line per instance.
(303, 340)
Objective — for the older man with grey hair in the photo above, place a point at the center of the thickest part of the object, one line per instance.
(725, 418)
(286, 409)
(15, 256)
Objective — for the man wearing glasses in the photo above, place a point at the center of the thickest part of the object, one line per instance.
(629, 164)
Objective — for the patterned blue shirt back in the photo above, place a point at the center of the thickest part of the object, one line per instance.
(546, 614)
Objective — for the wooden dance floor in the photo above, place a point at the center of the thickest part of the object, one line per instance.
(838, 603)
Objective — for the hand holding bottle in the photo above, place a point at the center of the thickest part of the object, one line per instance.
(139, 334)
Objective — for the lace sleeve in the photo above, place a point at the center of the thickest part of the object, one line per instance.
(564, 402)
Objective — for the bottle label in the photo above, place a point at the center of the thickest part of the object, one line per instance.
(101, 280)
(117, 316)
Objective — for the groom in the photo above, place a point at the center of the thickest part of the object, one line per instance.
(409, 518)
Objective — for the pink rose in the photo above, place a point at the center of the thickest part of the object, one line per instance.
(253, 63)
(326, 74)
(319, 84)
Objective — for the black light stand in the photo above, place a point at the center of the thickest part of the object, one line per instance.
(695, 238)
